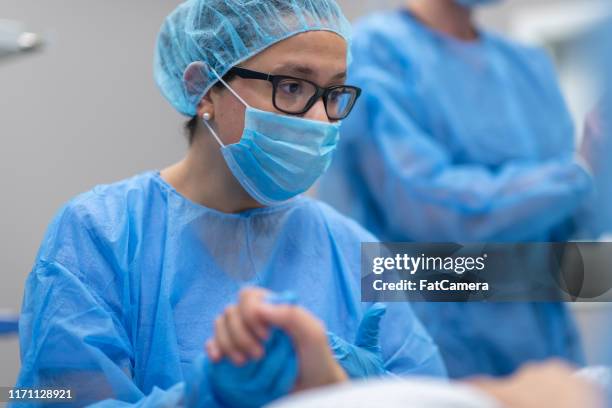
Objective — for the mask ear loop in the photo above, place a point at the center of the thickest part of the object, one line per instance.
(206, 116)
(206, 120)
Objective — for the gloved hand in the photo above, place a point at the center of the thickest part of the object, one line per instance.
(364, 358)
(258, 382)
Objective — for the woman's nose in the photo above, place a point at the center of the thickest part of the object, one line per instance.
(317, 112)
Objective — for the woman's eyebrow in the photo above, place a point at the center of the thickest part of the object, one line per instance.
(303, 71)
(295, 69)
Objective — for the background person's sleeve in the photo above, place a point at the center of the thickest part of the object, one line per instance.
(423, 194)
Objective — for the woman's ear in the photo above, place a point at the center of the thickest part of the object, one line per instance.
(206, 108)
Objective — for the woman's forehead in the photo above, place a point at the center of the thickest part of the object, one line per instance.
(305, 55)
(312, 41)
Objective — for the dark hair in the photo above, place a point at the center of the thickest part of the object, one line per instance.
(191, 126)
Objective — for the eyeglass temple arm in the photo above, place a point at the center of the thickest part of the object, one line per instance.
(248, 74)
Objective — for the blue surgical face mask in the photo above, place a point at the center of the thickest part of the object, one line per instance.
(278, 156)
(475, 3)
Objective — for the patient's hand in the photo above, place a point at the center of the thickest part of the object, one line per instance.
(242, 329)
(317, 365)
(552, 384)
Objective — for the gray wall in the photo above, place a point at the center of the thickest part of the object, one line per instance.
(84, 111)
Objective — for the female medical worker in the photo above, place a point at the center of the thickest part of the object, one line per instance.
(461, 136)
(131, 277)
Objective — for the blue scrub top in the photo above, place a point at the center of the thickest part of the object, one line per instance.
(131, 276)
(457, 141)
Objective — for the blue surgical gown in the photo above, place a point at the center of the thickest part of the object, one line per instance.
(461, 142)
(130, 277)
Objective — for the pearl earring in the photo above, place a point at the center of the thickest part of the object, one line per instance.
(207, 116)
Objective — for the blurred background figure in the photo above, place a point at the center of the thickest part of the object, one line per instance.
(596, 145)
(463, 136)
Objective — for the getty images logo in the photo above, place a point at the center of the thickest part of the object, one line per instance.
(423, 263)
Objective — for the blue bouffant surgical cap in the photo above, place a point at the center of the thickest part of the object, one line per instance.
(219, 34)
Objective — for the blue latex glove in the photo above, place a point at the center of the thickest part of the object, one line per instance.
(259, 381)
(364, 358)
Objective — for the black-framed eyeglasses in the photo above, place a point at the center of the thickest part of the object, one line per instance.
(296, 96)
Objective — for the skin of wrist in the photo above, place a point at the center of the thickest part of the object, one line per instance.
(339, 375)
